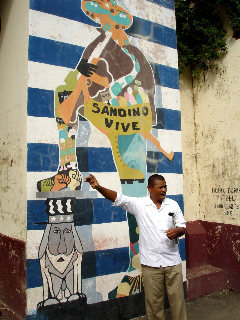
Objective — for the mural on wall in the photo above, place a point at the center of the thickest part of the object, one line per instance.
(113, 87)
(114, 92)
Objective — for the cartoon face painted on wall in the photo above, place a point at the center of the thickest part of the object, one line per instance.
(61, 239)
(60, 255)
(111, 16)
(106, 11)
(60, 248)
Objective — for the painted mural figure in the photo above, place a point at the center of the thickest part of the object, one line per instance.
(113, 87)
(60, 255)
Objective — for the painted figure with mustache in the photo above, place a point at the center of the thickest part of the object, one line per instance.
(60, 255)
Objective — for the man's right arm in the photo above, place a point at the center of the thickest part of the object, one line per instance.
(107, 193)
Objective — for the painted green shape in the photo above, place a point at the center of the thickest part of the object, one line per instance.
(113, 2)
(136, 249)
(133, 150)
(46, 184)
(96, 8)
(121, 18)
(117, 88)
(67, 152)
(136, 189)
(137, 66)
(105, 27)
(134, 154)
(129, 78)
(114, 102)
(132, 225)
(109, 27)
(70, 84)
(112, 294)
(63, 134)
(124, 142)
(138, 99)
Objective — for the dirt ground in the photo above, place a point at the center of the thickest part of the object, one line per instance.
(220, 305)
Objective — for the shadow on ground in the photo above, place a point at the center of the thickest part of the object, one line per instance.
(220, 305)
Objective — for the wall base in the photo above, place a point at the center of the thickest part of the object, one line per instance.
(12, 278)
(217, 257)
(204, 280)
(121, 308)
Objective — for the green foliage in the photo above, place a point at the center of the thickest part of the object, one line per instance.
(200, 32)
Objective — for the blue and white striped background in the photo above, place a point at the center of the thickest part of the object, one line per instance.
(58, 33)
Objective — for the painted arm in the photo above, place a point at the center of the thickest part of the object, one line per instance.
(107, 193)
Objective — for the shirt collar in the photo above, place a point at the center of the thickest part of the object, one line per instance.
(150, 202)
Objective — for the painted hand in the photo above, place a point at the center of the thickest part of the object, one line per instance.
(86, 68)
(60, 182)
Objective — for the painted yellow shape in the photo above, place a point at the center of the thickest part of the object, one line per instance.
(120, 121)
(114, 121)
(135, 262)
(123, 289)
(70, 84)
(122, 102)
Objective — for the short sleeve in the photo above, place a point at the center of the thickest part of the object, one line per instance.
(127, 203)
(180, 222)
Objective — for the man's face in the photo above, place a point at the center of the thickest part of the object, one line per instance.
(158, 191)
(61, 239)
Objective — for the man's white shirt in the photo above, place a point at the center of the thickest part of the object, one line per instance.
(155, 249)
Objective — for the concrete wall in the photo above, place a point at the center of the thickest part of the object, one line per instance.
(218, 142)
(190, 173)
(210, 141)
(13, 129)
(211, 145)
(13, 143)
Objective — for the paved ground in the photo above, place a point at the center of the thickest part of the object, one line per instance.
(220, 305)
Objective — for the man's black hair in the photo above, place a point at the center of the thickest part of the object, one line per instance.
(152, 179)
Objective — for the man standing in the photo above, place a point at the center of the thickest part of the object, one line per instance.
(158, 251)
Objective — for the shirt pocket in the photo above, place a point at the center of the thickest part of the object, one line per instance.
(169, 222)
(147, 221)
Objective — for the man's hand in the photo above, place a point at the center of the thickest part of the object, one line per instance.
(171, 233)
(175, 232)
(92, 181)
(107, 193)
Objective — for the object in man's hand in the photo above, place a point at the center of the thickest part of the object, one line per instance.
(171, 214)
